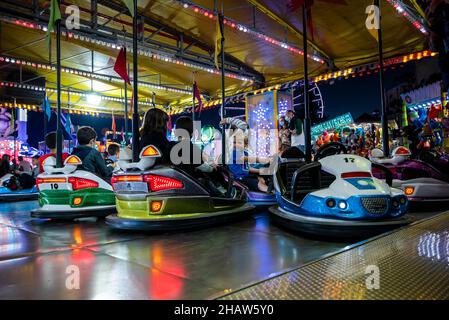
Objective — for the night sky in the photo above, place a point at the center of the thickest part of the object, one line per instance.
(360, 94)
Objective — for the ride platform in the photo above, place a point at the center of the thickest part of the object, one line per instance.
(209, 263)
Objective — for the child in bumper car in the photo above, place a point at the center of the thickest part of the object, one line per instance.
(50, 142)
(91, 158)
(243, 171)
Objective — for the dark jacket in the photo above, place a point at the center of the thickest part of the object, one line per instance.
(195, 160)
(93, 161)
(160, 141)
(296, 124)
(4, 168)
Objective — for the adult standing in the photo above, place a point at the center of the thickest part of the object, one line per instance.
(296, 127)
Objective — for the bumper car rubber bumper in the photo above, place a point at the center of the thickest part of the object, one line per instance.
(180, 221)
(261, 199)
(336, 228)
(73, 213)
(12, 197)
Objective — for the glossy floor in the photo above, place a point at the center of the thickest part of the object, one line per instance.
(37, 258)
(409, 264)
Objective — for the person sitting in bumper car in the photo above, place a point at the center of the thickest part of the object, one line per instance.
(50, 142)
(154, 132)
(91, 158)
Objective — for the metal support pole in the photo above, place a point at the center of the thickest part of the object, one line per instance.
(93, 15)
(45, 122)
(135, 124)
(126, 108)
(223, 93)
(307, 125)
(193, 96)
(92, 69)
(59, 134)
(384, 107)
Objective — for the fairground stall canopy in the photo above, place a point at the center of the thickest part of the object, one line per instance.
(263, 48)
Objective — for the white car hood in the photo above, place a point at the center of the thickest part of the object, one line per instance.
(359, 185)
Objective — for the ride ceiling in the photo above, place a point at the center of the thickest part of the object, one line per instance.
(174, 32)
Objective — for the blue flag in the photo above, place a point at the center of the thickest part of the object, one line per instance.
(67, 123)
(46, 108)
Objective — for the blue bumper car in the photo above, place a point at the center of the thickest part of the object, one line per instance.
(9, 190)
(336, 196)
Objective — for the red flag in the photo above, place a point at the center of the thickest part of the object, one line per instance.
(120, 65)
(293, 5)
(197, 96)
(130, 111)
(169, 124)
(114, 129)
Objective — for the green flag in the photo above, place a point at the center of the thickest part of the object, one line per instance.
(12, 121)
(130, 5)
(55, 15)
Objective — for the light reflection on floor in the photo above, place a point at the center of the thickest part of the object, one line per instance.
(35, 254)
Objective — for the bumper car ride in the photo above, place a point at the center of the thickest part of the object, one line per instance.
(420, 181)
(8, 195)
(66, 193)
(336, 196)
(163, 198)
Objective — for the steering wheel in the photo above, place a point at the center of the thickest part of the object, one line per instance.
(330, 149)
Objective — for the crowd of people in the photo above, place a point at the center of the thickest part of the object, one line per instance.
(242, 161)
(183, 153)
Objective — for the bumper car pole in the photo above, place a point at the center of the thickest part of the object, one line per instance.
(135, 123)
(223, 90)
(307, 125)
(59, 136)
(385, 139)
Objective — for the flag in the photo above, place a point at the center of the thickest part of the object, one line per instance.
(46, 108)
(169, 124)
(373, 21)
(55, 15)
(293, 5)
(218, 38)
(67, 123)
(197, 96)
(130, 5)
(113, 126)
(140, 29)
(120, 66)
(12, 122)
(131, 103)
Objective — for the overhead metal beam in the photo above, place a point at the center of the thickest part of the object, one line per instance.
(187, 38)
(270, 13)
(108, 34)
(103, 77)
(23, 46)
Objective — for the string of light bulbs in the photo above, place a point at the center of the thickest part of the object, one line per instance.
(75, 35)
(248, 30)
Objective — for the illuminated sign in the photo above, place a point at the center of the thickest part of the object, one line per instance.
(343, 120)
